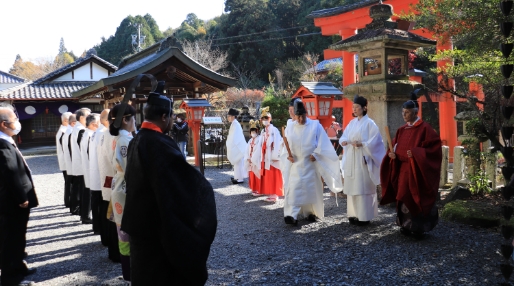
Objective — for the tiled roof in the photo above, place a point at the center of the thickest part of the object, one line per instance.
(10, 78)
(381, 34)
(197, 102)
(341, 9)
(321, 88)
(50, 91)
(71, 66)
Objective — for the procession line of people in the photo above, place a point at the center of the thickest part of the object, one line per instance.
(297, 165)
(154, 212)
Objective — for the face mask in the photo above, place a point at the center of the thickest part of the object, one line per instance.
(254, 134)
(17, 128)
(179, 120)
(265, 122)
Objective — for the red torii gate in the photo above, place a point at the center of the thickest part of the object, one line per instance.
(346, 20)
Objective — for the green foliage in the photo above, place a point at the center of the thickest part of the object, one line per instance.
(119, 45)
(479, 183)
(472, 212)
(279, 107)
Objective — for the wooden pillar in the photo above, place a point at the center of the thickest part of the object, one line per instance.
(447, 105)
(348, 78)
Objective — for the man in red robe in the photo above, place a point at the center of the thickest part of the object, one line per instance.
(410, 173)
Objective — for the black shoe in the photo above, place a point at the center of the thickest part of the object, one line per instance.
(405, 231)
(235, 182)
(353, 220)
(30, 271)
(86, 221)
(362, 223)
(291, 220)
(311, 218)
(418, 235)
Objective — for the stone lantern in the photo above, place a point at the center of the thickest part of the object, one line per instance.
(383, 52)
(195, 110)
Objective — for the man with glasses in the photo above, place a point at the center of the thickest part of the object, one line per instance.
(17, 197)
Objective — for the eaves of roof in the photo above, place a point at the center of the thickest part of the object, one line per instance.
(51, 91)
(131, 70)
(74, 65)
(10, 78)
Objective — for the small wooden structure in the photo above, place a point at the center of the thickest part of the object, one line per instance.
(195, 110)
(185, 78)
(318, 98)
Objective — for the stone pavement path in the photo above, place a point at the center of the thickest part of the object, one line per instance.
(253, 246)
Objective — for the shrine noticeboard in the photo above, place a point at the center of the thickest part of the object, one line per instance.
(211, 120)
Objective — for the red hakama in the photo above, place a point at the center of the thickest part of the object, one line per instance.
(254, 182)
(271, 180)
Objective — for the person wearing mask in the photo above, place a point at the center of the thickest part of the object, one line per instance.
(410, 173)
(180, 133)
(254, 175)
(60, 151)
(268, 156)
(236, 147)
(306, 159)
(95, 183)
(76, 160)
(363, 153)
(122, 137)
(170, 211)
(17, 197)
(85, 200)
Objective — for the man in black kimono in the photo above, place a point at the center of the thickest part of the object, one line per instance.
(17, 197)
(170, 211)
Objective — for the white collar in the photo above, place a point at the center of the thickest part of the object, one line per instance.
(6, 137)
(413, 122)
(124, 132)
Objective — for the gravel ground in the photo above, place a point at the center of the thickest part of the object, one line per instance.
(253, 245)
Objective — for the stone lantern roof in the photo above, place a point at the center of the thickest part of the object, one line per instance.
(382, 29)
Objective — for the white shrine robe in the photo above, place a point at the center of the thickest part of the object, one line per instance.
(361, 167)
(76, 158)
(252, 147)
(94, 172)
(59, 147)
(105, 153)
(119, 162)
(236, 148)
(66, 151)
(84, 154)
(273, 146)
(303, 186)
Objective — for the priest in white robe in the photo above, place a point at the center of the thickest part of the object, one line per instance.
(363, 153)
(92, 121)
(236, 147)
(60, 150)
(307, 157)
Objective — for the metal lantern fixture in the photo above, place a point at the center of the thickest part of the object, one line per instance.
(318, 98)
(195, 109)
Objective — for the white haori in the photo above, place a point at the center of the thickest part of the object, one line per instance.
(236, 148)
(94, 171)
(76, 158)
(303, 186)
(59, 147)
(251, 148)
(273, 140)
(66, 151)
(361, 164)
(84, 149)
(105, 167)
(119, 161)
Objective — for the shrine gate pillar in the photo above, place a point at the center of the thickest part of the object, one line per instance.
(447, 104)
(348, 78)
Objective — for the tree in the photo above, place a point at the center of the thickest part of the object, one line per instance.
(62, 48)
(203, 52)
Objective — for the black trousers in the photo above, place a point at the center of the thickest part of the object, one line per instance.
(85, 204)
(67, 188)
(13, 228)
(149, 264)
(96, 210)
(75, 194)
(104, 223)
(113, 247)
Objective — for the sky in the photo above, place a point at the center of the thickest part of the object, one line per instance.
(33, 28)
